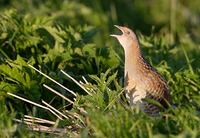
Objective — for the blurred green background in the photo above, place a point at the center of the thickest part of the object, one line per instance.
(175, 20)
(177, 17)
(73, 35)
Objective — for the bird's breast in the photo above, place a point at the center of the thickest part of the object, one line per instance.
(135, 95)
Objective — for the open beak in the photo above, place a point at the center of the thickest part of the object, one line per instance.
(120, 28)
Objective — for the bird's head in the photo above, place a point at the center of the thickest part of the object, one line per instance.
(127, 38)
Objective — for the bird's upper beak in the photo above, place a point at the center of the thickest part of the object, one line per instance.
(120, 28)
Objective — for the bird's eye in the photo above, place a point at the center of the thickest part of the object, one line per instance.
(128, 32)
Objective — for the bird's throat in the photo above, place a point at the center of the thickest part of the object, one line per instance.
(132, 57)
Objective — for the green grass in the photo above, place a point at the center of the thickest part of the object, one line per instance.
(73, 36)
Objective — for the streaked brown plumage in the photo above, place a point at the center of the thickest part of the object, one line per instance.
(142, 81)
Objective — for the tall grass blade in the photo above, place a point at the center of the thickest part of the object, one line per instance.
(188, 60)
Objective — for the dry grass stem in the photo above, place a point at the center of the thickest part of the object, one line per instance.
(75, 81)
(52, 80)
(42, 128)
(28, 101)
(33, 103)
(85, 80)
(57, 93)
(40, 120)
(51, 107)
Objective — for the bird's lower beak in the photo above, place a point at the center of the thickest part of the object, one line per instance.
(120, 28)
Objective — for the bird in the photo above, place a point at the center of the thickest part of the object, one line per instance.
(141, 80)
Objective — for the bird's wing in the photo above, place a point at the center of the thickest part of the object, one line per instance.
(157, 89)
(153, 82)
(155, 86)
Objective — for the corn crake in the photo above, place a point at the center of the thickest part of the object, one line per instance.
(141, 80)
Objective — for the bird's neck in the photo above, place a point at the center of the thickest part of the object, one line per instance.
(132, 58)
